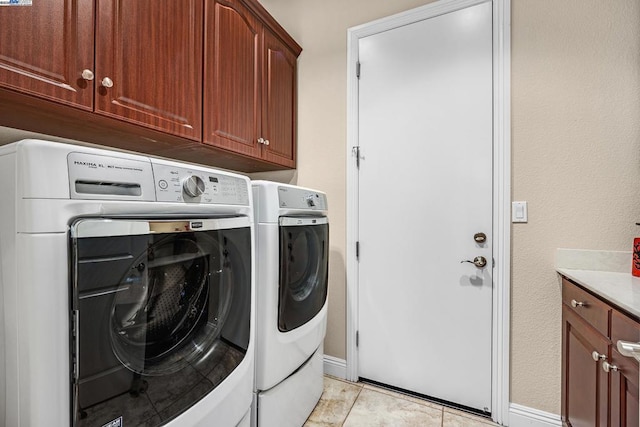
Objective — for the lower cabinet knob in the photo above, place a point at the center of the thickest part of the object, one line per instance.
(608, 367)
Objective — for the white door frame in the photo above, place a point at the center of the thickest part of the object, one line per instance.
(500, 377)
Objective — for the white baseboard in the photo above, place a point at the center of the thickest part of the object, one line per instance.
(522, 416)
(335, 367)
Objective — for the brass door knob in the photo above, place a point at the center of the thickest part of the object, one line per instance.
(478, 261)
(480, 237)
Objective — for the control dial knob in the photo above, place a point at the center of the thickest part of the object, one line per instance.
(193, 186)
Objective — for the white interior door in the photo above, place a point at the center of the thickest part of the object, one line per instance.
(425, 190)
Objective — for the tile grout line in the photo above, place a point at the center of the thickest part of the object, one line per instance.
(352, 405)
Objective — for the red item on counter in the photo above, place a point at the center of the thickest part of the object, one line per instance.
(635, 264)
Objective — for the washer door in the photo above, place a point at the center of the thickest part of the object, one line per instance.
(162, 315)
(304, 263)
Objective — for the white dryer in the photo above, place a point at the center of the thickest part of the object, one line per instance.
(125, 290)
(292, 259)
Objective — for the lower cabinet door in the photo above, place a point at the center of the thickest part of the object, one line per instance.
(624, 391)
(584, 381)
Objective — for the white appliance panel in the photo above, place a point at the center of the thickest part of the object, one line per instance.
(96, 176)
(218, 188)
(290, 402)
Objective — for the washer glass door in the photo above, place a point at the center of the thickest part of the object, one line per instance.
(161, 315)
(304, 263)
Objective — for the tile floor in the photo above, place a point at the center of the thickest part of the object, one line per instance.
(347, 404)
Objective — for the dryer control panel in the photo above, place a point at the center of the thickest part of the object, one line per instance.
(192, 185)
(298, 198)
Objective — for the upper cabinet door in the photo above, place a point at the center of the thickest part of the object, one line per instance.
(149, 63)
(45, 48)
(232, 78)
(279, 102)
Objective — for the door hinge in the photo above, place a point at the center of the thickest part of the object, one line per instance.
(357, 250)
(357, 338)
(358, 69)
(356, 152)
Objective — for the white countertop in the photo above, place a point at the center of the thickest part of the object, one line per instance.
(621, 289)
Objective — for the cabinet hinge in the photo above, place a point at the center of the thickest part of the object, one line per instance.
(357, 338)
(358, 250)
(358, 69)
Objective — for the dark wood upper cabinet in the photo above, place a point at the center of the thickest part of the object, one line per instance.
(250, 83)
(45, 48)
(151, 52)
(205, 81)
(232, 78)
(279, 102)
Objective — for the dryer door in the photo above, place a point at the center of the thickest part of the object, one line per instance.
(162, 315)
(304, 264)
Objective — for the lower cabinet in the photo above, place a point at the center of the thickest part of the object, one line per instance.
(586, 385)
(624, 391)
(599, 385)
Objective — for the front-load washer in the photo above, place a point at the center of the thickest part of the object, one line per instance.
(292, 259)
(125, 290)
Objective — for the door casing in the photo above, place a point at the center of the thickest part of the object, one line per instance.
(501, 185)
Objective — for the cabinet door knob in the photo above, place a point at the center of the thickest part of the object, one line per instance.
(597, 356)
(266, 142)
(261, 140)
(87, 74)
(608, 367)
(107, 82)
(575, 303)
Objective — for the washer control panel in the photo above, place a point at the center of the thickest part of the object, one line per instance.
(179, 184)
(299, 198)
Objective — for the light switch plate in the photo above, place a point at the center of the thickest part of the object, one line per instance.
(519, 212)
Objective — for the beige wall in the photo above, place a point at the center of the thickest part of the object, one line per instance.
(576, 160)
(576, 157)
